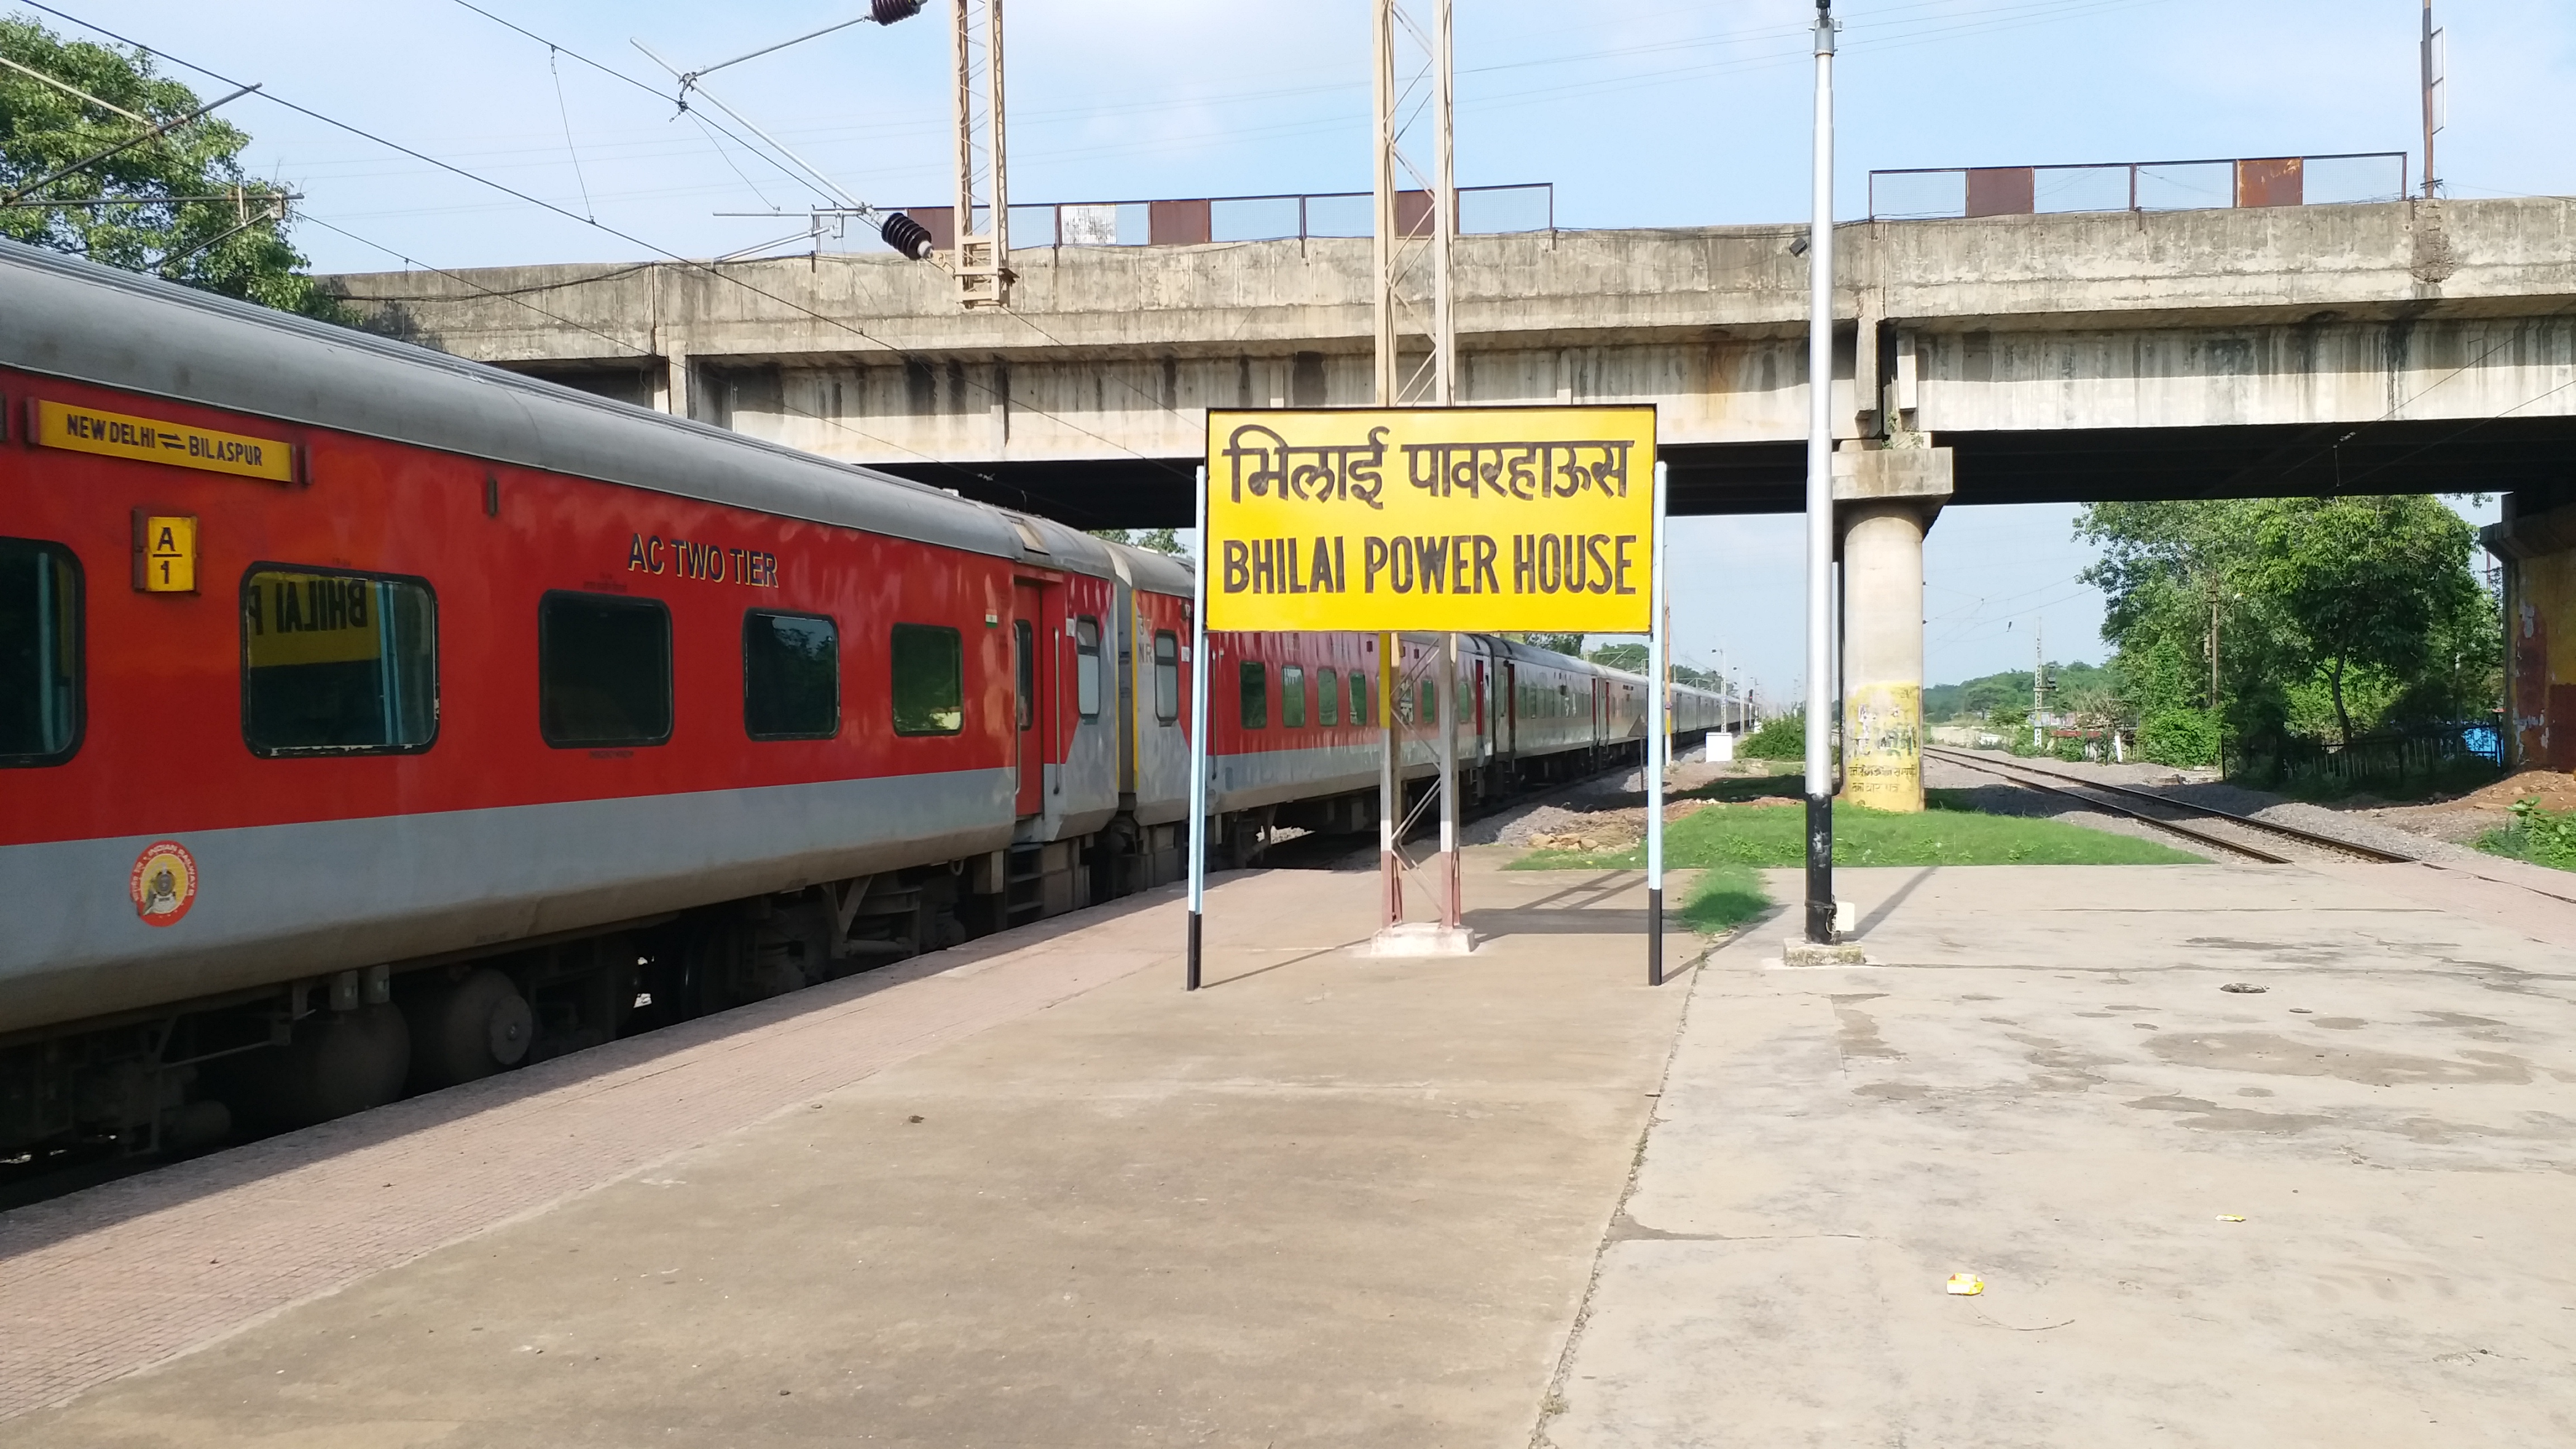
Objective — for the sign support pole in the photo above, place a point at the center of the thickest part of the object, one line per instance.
(1198, 662)
(1449, 873)
(1657, 743)
(1390, 795)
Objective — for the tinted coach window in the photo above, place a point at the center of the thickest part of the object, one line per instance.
(791, 676)
(929, 680)
(40, 651)
(603, 670)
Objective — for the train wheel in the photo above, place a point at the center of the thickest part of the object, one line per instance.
(336, 1064)
(474, 1028)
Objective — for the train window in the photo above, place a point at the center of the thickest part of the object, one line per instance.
(336, 663)
(1426, 710)
(791, 676)
(1328, 697)
(603, 670)
(1255, 696)
(1086, 667)
(1359, 699)
(1167, 677)
(929, 680)
(40, 653)
(1292, 696)
(1024, 642)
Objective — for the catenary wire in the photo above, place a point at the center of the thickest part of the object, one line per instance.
(1020, 317)
(624, 236)
(641, 352)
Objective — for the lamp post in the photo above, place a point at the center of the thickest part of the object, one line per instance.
(1820, 499)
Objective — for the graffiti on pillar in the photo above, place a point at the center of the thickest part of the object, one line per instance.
(2540, 692)
(1883, 746)
(2527, 686)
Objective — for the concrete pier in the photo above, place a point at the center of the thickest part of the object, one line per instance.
(1885, 500)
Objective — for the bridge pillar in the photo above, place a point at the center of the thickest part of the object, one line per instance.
(1885, 501)
(2537, 544)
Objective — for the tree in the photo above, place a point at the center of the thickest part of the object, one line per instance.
(1553, 643)
(2322, 614)
(2369, 584)
(1157, 540)
(1630, 657)
(177, 205)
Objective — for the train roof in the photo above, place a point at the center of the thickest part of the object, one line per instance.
(74, 319)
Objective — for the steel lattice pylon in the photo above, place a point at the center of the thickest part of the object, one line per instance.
(982, 262)
(1410, 243)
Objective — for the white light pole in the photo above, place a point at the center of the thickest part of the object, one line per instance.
(1198, 663)
(1820, 499)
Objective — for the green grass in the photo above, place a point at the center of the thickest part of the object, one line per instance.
(1754, 836)
(1726, 897)
(2543, 837)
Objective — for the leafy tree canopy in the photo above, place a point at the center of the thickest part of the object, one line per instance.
(1159, 540)
(2071, 686)
(1554, 643)
(2329, 617)
(177, 205)
(1630, 657)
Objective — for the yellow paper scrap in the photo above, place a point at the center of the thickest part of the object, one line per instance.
(1966, 1285)
(2229, 1218)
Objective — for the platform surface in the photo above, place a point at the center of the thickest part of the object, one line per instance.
(1031, 1193)
(2046, 1086)
(1322, 1200)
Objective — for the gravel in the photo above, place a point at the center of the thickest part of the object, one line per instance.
(2350, 825)
(1994, 797)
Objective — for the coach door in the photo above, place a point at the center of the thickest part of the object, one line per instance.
(1029, 673)
(1484, 724)
(1510, 707)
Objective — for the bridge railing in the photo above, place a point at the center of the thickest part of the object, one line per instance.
(1928, 192)
(1188, 221)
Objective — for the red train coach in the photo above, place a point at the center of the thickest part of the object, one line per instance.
(371, 721)
(420, 719)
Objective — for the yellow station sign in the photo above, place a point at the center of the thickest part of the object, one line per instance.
(152, 440)
(1536, 518)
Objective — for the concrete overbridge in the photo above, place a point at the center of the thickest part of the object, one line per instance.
(2394, 347)
(2391, 347)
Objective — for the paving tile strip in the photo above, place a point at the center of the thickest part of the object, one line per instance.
(102, 1282)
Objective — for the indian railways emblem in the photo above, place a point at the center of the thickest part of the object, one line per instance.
(164, 883)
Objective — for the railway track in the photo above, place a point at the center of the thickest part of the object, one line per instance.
(2102, 795)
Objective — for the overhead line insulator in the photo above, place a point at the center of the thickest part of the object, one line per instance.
(900, 231)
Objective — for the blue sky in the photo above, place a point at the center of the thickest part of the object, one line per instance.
(1642, 112)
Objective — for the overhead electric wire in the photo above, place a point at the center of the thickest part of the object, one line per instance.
(792, 305)
(515, 298)
(75, 90)
(816, 177)
(564, 109)
(128, 144)
(2013, 16)
(645, 86)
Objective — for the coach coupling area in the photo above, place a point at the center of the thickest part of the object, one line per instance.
(2274, 1155)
